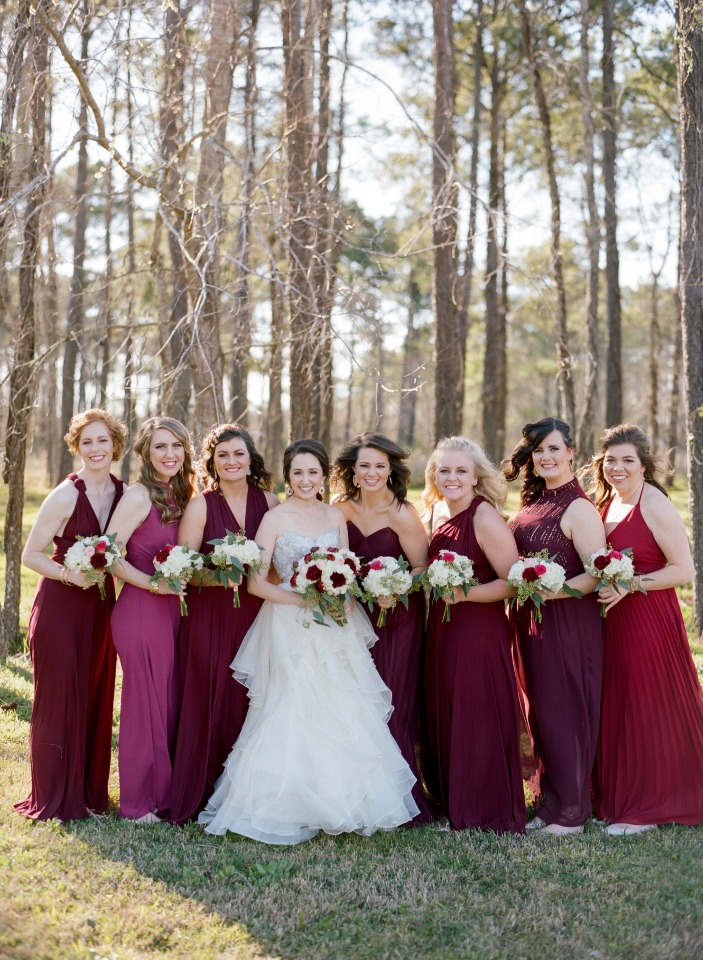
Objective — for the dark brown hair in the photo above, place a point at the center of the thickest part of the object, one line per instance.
(343, 470)
(182, 485)
(258, 476)
(313, 447)
(597, 487)
(521, 458)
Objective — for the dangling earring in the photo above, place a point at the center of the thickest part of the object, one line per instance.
(289, 490)
(355, 480)
(249, 472)
(475, 484)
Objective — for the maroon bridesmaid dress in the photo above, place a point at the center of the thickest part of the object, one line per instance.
(399, 658)
(559, 665)
(650, 749)
(144, 628)
(212, 708)
(472, 703)
(70, 734)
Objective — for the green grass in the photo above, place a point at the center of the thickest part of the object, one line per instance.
(104, 889)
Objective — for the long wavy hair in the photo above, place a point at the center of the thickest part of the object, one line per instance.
(595, 484)
(520, 459)
(182, 485)
(313, 447)
(490, 481)
(115, 427)
(258, 475)
(343, 469)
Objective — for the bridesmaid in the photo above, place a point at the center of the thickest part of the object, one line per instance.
(650, 749)
(146, 618)
(558, 661)
(211, 708)
(472, 703)
(372, 478)
(70, 734)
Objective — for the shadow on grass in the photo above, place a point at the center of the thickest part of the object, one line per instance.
(13, 665)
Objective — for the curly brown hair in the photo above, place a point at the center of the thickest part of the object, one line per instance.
(521, 458)
(183, 484)
(259, 476)
(343, 469)
(115, 427)
(597, 487)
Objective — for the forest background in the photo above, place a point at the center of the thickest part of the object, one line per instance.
(322, 216)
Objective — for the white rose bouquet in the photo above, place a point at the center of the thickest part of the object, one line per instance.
(232, 558)
(386, 577)
(174, 564)
(449, 570)
(94, 557)
(613, 568)
(537, 572)
(326, 578)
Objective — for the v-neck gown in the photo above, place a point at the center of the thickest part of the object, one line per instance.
(650, 748)
(211, 708)
(144, 628)
(399, 656)
(70, 734)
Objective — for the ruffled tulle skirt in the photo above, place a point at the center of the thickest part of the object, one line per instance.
(315, 752)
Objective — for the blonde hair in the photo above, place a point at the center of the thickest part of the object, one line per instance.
(115, 427)
(183, 484)
(490, 483)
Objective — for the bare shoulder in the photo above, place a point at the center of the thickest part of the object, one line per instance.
(272, 500)
(63, 496)
(657, 508)
(196, 506)
(335, 515)
(581, 510)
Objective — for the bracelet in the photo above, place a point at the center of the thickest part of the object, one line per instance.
(63, 576)
(153, 588)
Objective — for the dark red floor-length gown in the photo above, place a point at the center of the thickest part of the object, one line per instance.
(650, 748)
(399, 658)
(70, 735)
(212, 707)
(472, 703)
(559, 666)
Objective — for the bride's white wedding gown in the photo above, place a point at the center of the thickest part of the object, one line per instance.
(315, 752)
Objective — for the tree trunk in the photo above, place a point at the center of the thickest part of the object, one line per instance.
(297, 72)
(690, 82)
(564, 375)
(175, 356)
(75, 318)
(494, 365)
(613, 388)
(22, 374)
(465, 284)
(274, 425)
(672, 435)
(654, 351)
(408, 396)
(449, 367)
(585, 435)
(241, 314)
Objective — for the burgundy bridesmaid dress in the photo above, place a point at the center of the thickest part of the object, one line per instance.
(70, 734)
(559, 665)
(399, 658)
(212, 708)
(144, 628)
(650, 749)
(472, 703)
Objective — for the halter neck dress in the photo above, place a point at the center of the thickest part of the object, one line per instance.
(70, 738)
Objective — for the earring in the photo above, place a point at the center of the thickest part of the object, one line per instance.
(355, 480)
(289, 490)
(249, 472)
(475, 483)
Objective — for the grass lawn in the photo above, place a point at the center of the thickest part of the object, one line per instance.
(103, 889)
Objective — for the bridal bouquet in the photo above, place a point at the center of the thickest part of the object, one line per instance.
(613, 568)
(449, 570)
(174, 564)
(234, 557)
(386, 577)
(538, 571)
(326, 578)
(94, 557)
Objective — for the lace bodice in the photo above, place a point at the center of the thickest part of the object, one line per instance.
(291, 546)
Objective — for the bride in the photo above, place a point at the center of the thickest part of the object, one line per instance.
(315, 752)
